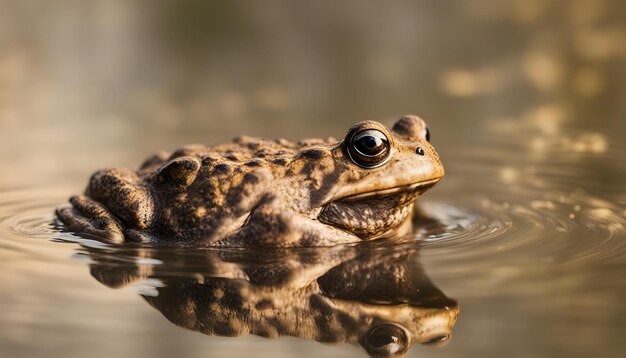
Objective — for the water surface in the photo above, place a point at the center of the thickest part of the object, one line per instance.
(527, 252)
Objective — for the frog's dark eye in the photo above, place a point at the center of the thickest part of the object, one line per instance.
(386, 340)
(427, 134)
(369, 148)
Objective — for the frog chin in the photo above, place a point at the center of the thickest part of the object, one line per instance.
(375, 214)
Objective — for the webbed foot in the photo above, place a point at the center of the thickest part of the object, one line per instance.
(90, 217)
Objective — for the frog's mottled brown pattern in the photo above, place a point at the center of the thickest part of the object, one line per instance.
(259, 192)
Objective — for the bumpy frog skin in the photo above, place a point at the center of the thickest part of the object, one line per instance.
(259, 192)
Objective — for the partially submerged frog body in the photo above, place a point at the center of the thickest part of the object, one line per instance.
(259, 192)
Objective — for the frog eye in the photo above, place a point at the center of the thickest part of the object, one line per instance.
(387, 340)
(427, 134)
(369, 148)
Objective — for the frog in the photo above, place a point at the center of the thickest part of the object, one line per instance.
(258, 192)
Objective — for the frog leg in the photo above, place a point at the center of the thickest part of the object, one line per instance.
(270, 225)
(90, 217)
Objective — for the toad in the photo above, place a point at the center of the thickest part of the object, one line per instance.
(271, 193)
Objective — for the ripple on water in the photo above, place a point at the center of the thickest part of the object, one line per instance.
(26, 218)
(534, 245)
(571, 228)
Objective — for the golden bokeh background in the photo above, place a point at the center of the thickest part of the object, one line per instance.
(87, 84)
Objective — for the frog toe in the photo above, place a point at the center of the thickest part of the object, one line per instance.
(89, 217)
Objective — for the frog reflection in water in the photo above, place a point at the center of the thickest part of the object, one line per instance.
(257, 192)
(376, 297)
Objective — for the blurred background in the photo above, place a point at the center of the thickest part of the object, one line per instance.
(525, 99)
(88, 84)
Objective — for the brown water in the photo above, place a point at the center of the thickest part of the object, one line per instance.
(526, 104)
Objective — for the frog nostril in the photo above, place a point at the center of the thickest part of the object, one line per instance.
(419, 150)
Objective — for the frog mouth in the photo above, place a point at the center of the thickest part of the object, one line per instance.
(402, 189)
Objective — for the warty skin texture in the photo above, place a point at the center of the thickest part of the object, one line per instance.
(260, 192)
